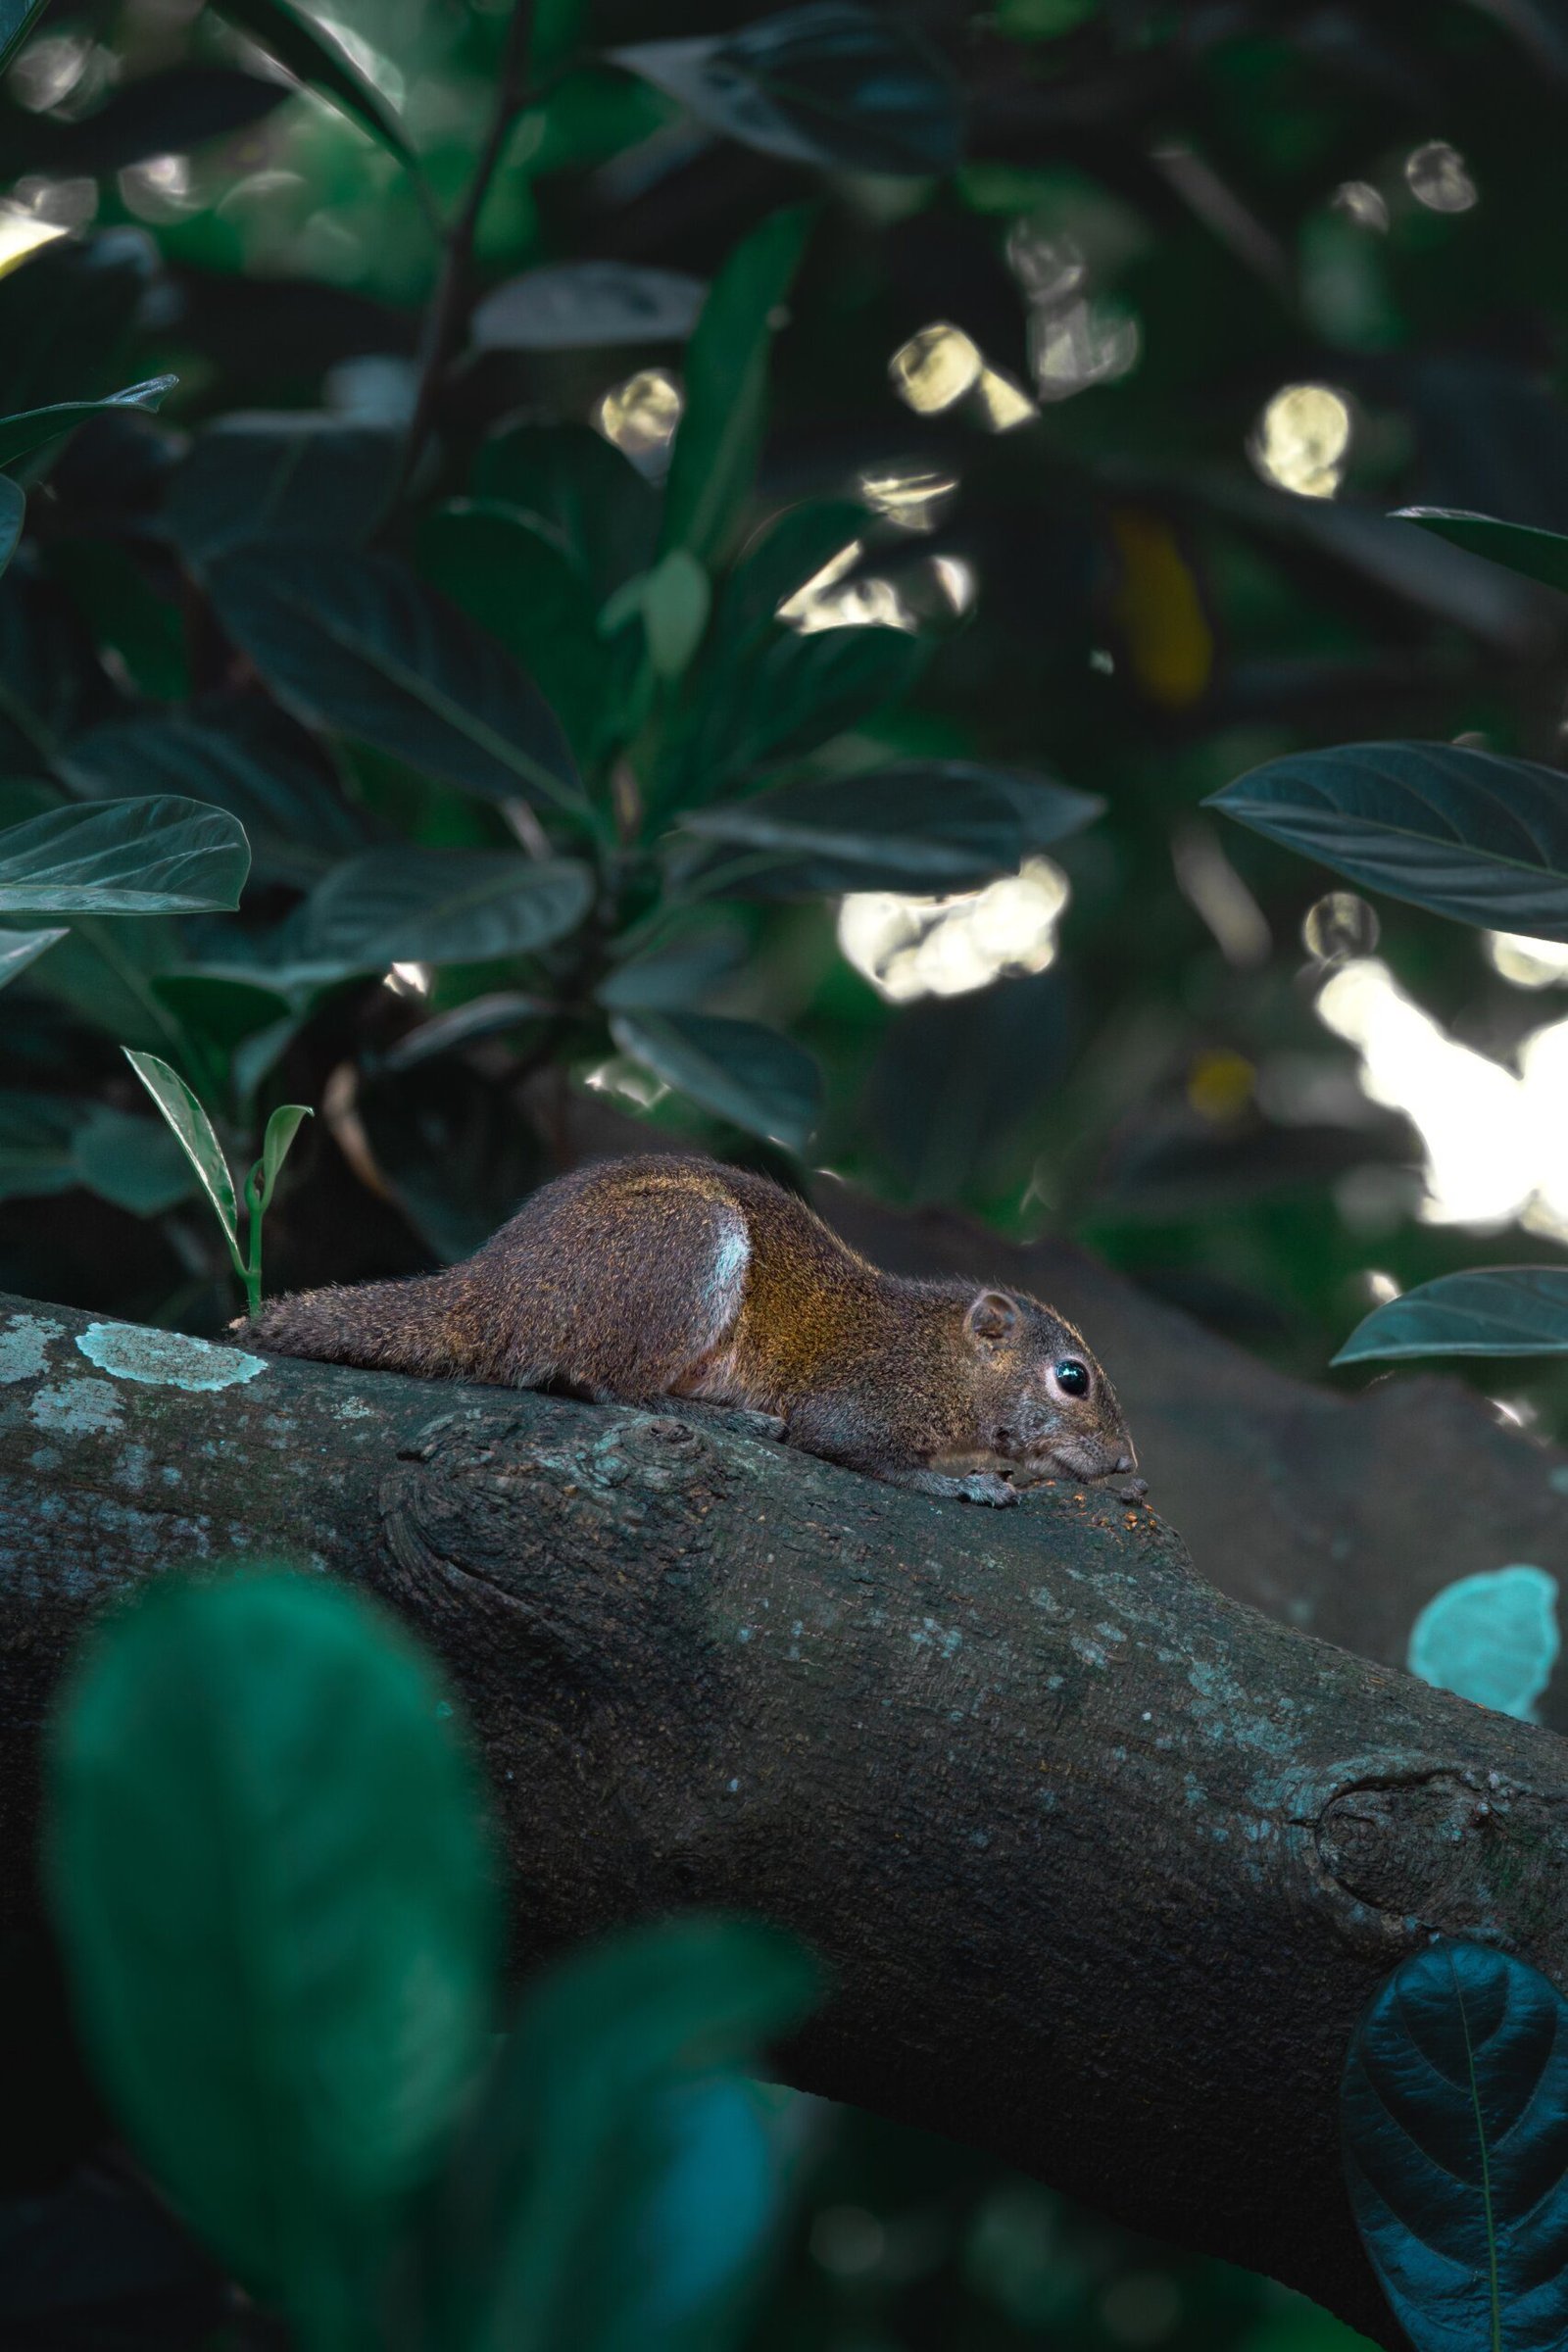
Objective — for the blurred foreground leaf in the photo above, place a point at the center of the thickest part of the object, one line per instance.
(1496, 1311)
(277, 1916)
(1454, 2119)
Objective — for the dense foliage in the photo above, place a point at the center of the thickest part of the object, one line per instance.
(575, 524)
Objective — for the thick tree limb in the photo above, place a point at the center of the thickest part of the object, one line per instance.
(1106, 1864)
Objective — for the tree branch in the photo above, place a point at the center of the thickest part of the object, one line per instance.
(1105, 1865)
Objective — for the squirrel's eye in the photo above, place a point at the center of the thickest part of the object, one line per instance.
(1071, 1377)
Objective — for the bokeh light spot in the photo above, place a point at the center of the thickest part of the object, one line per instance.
(1303, 439)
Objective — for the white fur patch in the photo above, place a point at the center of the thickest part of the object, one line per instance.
(726, 1281)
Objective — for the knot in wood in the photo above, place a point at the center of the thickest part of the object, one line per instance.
(1452, 1849)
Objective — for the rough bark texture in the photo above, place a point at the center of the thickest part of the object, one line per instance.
(1106, 1863)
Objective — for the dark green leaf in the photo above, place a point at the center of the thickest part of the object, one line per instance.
(266, 1869)
(68, 319)
(588, 497)
(161, 112)
(13, 514)
(193, 1130)
(490, 1015)
(739, 1071)
(1454, 2121)
(413, 905)
(237, 753)
(1538, 554)
(834, 83)
(33, 427)
(291, 476)
(312, 56)
(674, 599)
(925, 827)
(19, 948)
(15, 18)
(791, 550)
(790, 695)
(37, 1144)
(356, 643)
(624, 2056)
(152, 856)
(1496, 1311)
(568, 305)
(509, 575)
(679, 973)
(721, 431)
(1470, 835)
(140, 1165)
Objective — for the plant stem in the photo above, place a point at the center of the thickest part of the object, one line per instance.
(252, 1270)
(454, 292)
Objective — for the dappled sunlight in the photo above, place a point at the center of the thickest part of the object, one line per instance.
(1526, 962)
(640, 417)
(1495, 1141)
(1303, 439)
(1437, 176)
(911, 947)
(935, 369)
(831, 600)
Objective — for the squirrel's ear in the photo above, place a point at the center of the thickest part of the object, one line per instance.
(991, 1315)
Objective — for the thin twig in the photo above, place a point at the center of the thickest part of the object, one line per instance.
(454, 294)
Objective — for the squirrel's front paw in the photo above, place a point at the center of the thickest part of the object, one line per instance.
(985, 1486)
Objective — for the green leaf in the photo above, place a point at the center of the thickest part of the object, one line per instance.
(1538, 554)
(33, 427)
(309, 52)
(1470, 835)
(510, 574)
(13, 514)
(413, 905)
(832, 83)
(682, 972)
(925, 827)
(1454, 2126)
(788, 551)
(792, 694)
(281, 1129)
(675, 597)
(138, 1165)
(568, 306)
(194, 1130)
(1496, 1311)
(356, 643)
(288, 475)
(267, 1868)
(15, 18)
(37, 1144)
(588, 497)
(19, 948)
(239, 753)
(598, 2133)
(151, 857)
(739, 1071)
(720, 432)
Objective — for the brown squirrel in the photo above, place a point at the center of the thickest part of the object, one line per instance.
(635, 1279)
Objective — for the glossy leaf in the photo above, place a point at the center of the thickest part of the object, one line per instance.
(13, 514)
(355, 642)
(33, 427)
(19, 948)
(15, 18)
(309, 51)
(1465, 833)
(923, 827)
(239, 753)
(412, 905)
(1455, 2125)
(275, 1906)
(281, 1129)
(1538, 555)
(626, 2054)
(567, 306)
(1493, 1310)
(720, 430)
(194, 1132)
(851, 87)
(739, 1071)
(152, 856)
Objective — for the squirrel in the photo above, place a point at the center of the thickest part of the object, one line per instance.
(631, 1280)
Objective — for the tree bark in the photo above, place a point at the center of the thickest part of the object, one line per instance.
(1103, 1863)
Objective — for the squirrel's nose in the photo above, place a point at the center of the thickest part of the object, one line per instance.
(1127, 1461)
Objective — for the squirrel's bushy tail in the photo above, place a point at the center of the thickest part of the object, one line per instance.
(410, 1326)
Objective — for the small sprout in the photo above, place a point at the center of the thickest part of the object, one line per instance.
(194, 1130)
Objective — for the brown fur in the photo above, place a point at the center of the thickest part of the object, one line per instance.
(635, 1279)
